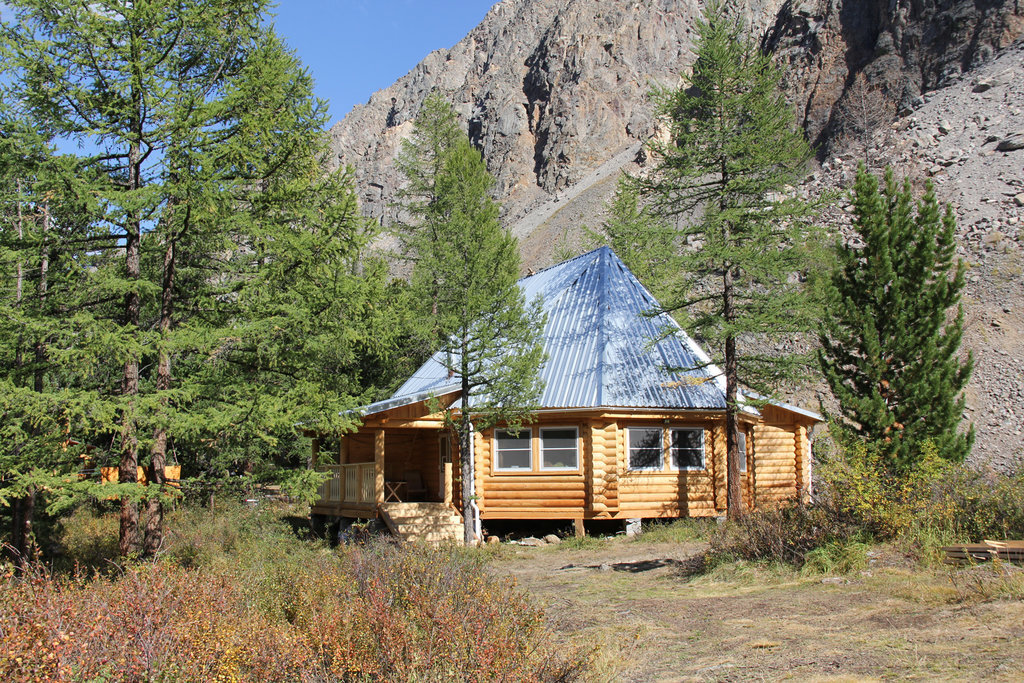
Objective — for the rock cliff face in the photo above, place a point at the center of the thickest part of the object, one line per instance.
(555, 94)
(902, 48)
(548, 89)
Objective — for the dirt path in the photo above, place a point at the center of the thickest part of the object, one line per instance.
(653, 620)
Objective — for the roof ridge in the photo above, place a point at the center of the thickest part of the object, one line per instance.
(563, 263)
(602, 336)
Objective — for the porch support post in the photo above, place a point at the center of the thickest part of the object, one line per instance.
(448, 484)
(378, 466)
(343, 449)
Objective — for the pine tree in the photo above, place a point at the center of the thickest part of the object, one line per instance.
(889, 346)
(723, 175)
(464, 274)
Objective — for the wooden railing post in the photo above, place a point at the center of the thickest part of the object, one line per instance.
(378, 462)
(448, 483)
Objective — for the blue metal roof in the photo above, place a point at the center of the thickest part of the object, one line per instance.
(600, 346)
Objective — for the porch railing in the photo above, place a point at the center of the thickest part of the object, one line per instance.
(353, 483)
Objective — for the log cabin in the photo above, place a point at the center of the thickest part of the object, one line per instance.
(630, 424)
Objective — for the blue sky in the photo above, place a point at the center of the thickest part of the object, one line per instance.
(355, 47)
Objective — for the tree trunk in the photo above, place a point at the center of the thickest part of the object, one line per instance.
(734, 499)
(21, 536)
(128, 470)
(21, 524)
(19, 276)
(158, 452)
(44, 269)
(466, 457)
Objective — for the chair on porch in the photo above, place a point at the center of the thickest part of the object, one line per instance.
(415, 489)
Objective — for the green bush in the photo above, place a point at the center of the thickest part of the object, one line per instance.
(935, 504)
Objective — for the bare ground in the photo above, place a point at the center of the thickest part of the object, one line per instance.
(649, 615)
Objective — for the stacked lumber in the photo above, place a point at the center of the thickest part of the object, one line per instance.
(1007, 551)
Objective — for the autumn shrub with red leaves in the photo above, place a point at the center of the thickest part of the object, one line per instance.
(381, 612)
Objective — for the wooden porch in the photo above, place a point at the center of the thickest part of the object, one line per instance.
(372, 467)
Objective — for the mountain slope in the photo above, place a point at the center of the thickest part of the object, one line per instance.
(555, 94)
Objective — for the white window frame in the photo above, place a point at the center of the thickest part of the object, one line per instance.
(629, 449)
(524, 432)
(742, 446)
(540, 448)
(703, 450)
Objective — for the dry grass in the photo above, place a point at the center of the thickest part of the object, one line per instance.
(651, 618)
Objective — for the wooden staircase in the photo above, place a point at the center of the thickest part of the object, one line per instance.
(423, 522)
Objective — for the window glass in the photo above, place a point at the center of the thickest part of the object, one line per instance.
(513, 450)
(558, 449)
(644, 448)
(687, 447)
(741, 444)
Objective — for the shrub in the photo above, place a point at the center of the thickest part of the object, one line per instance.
(937, 503)
(785, 535)
(236, 597)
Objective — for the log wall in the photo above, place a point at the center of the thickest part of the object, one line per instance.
(776, 473)
(778, 465)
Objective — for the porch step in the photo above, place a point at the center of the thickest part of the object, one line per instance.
(425, 522)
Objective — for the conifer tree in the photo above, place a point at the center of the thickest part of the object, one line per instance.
(208, 141)
(45, 211)
(889, 348)
(464, 273)
(732, 151)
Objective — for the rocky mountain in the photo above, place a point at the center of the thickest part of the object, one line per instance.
(555, 94)
(548, 89)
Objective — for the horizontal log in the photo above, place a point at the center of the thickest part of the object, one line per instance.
(761, 470)
(533, 478)
(492, 496)
(540, 504)
(664, 491)
(498, 484)
(655, 498)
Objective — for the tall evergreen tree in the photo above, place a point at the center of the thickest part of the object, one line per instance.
(208, 140)
(45, 211)
(889, 348)
(732, 151)
(464, 273)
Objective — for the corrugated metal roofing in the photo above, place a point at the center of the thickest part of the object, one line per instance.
(600, 345)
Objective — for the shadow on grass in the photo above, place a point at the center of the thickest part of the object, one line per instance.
(691, 566)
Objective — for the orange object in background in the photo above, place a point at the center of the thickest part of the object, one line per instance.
(172, 474)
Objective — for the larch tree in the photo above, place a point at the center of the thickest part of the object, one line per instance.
(465, 271)
(890, 339)
(45, 211)
(732, 152)
(208, 140)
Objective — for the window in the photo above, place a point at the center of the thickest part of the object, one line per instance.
(513, 450)
(559, 449)
(644, 448)
(741, 444)
(687, 446)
